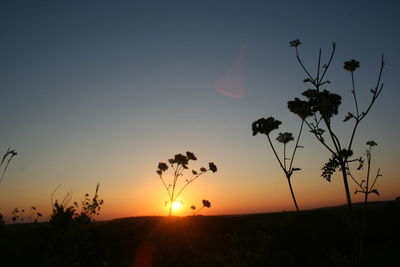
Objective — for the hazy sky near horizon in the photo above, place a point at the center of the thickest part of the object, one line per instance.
(101, 91)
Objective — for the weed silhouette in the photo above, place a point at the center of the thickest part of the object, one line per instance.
(266, 126)
(65, 215)
(7, 157)
(17, 215)
(366, 187)
(206, 204)
(319, 109)
(179, 164)
(321, 106)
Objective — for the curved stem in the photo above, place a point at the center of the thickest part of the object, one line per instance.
(368, 175)
(346, 188)
(354, 94)
(304, 68)
(198, 210)
(329, 62)
(334, 139)
(317, 80)
(276, 155)
(187, 183)
(319, 139)
(166, 187)
(296, 146)
(291, 191)
(376, 178)
(284, 155)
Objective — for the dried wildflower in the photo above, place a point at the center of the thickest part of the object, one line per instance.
(351, 65)
(371, 143)
(265, 126)
(206, 203)
(180, 160)
(162, 167)
(300, 107)
(190, 156)
(285, 137)
(212, 167)
(325, 102)
(295, 43)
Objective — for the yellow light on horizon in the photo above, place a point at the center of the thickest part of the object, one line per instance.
(176, 205)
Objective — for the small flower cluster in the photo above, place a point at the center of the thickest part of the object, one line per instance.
(300, 107)
(285, 137)
(265, 126)
(295, 43)
(324, 102)
(183, 160)
(371, 143)
(351, 65)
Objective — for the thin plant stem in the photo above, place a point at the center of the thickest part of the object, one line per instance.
(318, 66)
(291, 191)
(296, 146)
(354, 94)
(276, 155)
(287, 173)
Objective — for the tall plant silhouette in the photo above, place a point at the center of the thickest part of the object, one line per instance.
(366, 186)
(7, 157)
(324, 105)
(179, 164)
(266, 126)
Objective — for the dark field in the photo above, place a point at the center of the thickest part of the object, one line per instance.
(319, 237)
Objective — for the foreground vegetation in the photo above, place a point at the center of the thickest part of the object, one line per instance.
(325, 237)
(307, 238)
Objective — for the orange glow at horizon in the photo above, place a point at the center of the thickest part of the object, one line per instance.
(227, 190)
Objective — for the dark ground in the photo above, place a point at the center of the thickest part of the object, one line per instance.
(321, 237)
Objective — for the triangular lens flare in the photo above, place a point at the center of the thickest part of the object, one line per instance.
(232, 83)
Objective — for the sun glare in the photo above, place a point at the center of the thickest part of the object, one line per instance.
(176, 205)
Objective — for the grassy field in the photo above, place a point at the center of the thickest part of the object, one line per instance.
(320, 237)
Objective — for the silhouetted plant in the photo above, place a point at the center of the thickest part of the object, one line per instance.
(206, 204)
(34, 214)
(321, 106)
(193, 207)
(7, 157)
(90, 207)
(16, 215)
(178, 164)
(365, 187)
(266, 126)
(19, 215)
(65, 215)
(2, 222)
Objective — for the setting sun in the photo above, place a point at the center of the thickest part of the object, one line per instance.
(176, 205)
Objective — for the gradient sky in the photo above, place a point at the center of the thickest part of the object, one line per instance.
(101, 91)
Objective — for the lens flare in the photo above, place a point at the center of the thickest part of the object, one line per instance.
(176, 205)
(232, 83)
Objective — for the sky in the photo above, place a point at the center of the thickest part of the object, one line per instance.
(102, 91)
